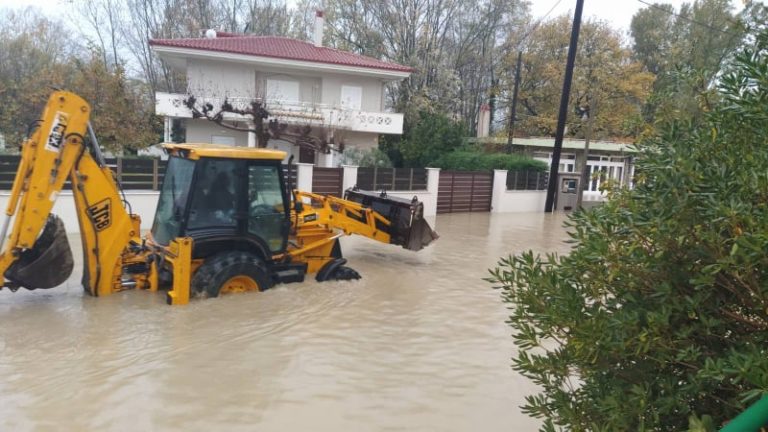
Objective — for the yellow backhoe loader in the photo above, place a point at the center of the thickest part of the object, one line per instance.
(226, 219)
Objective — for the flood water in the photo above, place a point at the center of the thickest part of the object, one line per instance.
(419, 344)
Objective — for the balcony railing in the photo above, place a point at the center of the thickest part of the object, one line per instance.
(318, 115)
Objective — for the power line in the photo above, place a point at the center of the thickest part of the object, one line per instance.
(557, 3)
(692, 21)
(538, 22)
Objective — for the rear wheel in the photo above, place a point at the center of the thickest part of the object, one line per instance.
(230, 272)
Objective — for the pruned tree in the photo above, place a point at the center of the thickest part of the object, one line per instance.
(258, 122)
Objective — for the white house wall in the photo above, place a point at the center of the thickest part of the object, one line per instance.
(359, 140)
(309, 87)
(203, 131)
(217, 78)
(371, 98)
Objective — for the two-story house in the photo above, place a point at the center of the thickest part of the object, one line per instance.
(338, 94)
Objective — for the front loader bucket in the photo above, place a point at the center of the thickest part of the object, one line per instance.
(48, 263)
(408, 227)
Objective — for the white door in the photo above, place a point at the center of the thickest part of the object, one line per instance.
(282, 91)
(351, 97)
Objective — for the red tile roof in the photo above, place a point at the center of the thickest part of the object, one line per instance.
(279, 47)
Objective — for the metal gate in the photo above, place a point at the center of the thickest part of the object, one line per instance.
(327, 181)
(464, 191)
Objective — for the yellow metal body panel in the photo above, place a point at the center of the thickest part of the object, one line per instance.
(180, 257)
(322, 221)
(197, 151)
(105, 239)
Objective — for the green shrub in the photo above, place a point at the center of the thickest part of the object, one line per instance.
(475, 161)
(366, 158)
(429, 136)
(658, 317)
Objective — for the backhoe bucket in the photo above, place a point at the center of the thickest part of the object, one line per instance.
(48, 263)
(408, 227)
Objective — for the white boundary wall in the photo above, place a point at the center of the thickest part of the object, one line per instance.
(428, 196)
(143, 203)
(504, 201)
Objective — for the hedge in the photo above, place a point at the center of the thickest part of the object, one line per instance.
(474, 161)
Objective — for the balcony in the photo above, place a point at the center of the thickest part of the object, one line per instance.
(317, 115)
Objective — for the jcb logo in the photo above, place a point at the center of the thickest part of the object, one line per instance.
(101, 214)
(58, 129)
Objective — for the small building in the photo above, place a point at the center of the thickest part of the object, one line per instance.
(339, 95)
(606, 159)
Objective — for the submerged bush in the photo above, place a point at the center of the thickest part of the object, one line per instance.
(658, 318)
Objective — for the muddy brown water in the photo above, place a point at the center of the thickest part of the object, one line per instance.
(419, 344)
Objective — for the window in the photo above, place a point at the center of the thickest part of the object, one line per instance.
(282, 90)
(266, 211)
(214, 203)
(351, 97)
(173, 199)
(569, 186)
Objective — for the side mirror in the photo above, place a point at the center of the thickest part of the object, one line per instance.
(298, 206)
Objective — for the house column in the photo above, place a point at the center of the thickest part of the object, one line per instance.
(326, 160)
(433, 183)
(499, 189)
(167, 129)
(349, 178)
(251, 135)
(304, 172)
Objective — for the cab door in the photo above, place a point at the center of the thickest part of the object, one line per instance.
(267, 204)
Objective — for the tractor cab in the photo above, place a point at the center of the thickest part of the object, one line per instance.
(225, 198)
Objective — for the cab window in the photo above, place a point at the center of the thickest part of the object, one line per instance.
(266, 211)
(214, 203)
(173, 199)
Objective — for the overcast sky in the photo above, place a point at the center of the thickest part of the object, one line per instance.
(617, 12)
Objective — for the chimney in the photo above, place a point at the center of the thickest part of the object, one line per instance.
(484, 121)
(319, 24)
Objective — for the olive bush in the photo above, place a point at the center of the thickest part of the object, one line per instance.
(657, 319)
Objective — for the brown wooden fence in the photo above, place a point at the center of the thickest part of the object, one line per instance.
(464, 191)
(327, 181)
(392, 179)
(132, 173)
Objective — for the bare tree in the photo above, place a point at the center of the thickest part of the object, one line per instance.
(265, 129)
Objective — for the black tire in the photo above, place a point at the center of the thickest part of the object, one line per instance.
(218, 269)
(345, 273)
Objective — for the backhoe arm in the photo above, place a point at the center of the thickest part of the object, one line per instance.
(55, 151)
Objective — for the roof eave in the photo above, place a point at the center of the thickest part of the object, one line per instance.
(387, 74)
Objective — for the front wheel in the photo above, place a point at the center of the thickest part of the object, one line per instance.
(230, 272)
(336, 270)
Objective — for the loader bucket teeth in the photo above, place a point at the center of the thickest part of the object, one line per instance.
(48, 263)
(420, 236)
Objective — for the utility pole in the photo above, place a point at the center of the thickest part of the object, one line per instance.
(513, 110)
(562, 116)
